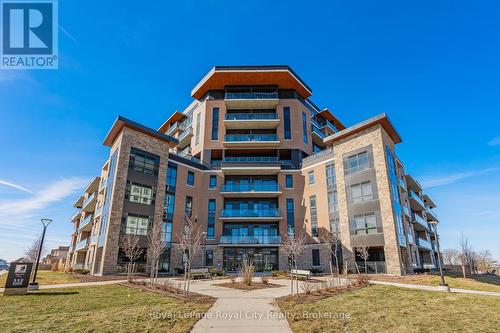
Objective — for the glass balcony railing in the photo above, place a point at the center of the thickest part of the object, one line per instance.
(432, 214)
(420, 220)
(318, 132)
(89, 199)
(406, 210)
(251, 95)
(77, 214)
(251, 159)
(251, 116)
(250, 137)
(250, 240)
(185, 134)
(415, 196)
(402, 184)
(82, 244)
(86, 221)
(424, 243)
(324, 123)
(242, 213)
(255, 187)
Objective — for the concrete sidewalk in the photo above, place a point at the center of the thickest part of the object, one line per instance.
(432, 288)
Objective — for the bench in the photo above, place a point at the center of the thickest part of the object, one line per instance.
(197, 272)
(302, 273)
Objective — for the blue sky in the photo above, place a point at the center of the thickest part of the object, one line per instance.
(431, 65)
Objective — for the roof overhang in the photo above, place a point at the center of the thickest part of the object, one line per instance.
(175, 117)
(79, 202)
(429, 201)
(412, 182)
(122, 122)
(381, 119)
(93, 185)
(220, 76)
(327, 114)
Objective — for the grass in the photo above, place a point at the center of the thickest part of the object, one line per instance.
(391, 309)
(47, 277)
(477, 282)
(112, 308)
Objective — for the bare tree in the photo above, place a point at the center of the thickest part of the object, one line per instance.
(131, 249)
(190, 244)
(465, 255)
(451, 256)
(363, 252)
(332, 241)
(155, 250)
(31, 252)
(485, 261)
(293, 246)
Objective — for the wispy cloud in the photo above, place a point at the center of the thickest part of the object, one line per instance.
(22, 209)
(19, 187)
(495, 141)
(441, 180)
(67, 34)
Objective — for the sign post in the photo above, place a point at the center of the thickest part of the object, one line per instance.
(18, 278)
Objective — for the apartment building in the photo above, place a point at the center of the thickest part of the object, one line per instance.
(251, 160)
(56, 259)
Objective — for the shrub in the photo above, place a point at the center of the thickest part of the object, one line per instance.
(280, 274)
(265, 280)
(362, 279)
(246, 272)
(307, 288)
(82, 271)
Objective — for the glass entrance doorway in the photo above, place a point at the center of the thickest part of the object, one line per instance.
(264, 259)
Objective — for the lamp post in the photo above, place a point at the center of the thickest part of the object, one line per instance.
(45, 222)
(442, 285)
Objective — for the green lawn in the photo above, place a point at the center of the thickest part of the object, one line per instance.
(477, 282)
(391, 309)
(112, 308)
(47, 277)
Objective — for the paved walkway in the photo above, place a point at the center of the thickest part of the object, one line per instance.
(432, 288)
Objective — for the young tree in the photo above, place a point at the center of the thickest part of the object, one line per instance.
(485, 261)
(293, 246)
(332, 242)
(363, 252)
(465, 255)
(31, 252)
(131, 249)
(156, 246)
(190, 244)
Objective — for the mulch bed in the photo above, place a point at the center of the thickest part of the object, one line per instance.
(191, 297)
(244, 287)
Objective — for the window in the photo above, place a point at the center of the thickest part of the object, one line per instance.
(197, 138)
(166, 232)
(330, 175)
(209, 257)
(334, 225)
(215, 124)
(357, 163)
(168, 207)
(290, 216)
(171, 180)
(137, 225)
(315, 257)
(188, 207)
(310, 178)
(286, 122)
(304, 126)
(314, 215)
(362, 192)
(211, 219)
(143, 163)
(190, 178)
(333, 202)
(139, 193)
(213, 181)
(289, 181)
(365, 224)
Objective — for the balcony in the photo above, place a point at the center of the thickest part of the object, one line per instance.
(82, 245)
(251, 190)
(318, 136)
(89, 203)
(250, 240)
(251, 120)
(76, 216)
(431, 216)
(250, 214)
(175, 128)
(185, 138)
(402, 185)
(98, 211)
(263, 165)
(86, 224)
(406, 210)
(249, 100)
(424, 244)
(102, 186)
(419, 221)
(416, 202)
(253, 140)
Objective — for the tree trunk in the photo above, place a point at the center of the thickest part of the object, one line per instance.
(185, 279)
(338, 270)
(296, 280)
(366, 270)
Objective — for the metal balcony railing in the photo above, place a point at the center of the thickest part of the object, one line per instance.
(82, 244)
(251, 159)
(89, 199)
(250, 137)
(415, 196)
(420, 220)
(242, 213)
(253, 187)
(251, 95)
(424, 243)
(250, 240)
(251, 116)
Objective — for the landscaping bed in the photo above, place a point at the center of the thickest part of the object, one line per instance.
(245, 287)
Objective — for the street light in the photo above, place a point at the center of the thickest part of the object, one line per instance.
(442, 285)
(45, 222)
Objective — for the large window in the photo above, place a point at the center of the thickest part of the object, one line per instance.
(197, 138)
(365, 224)
(310, 177)
(361, 192)
(333, 202)
(315, 257)
(137, 225)
(357, 163)
(330, 175)
(286, 123)
(166, 232)
(334, 225)
(139, 193)
(289, 181)
(215, 124)
(188, 207)
(143, 163)
(190, 178)
(209, 258)
(168, 207)
(314, 215)
(304, 126)
(211, 219)
(171, 180)
(290, 216)
(213, 181)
